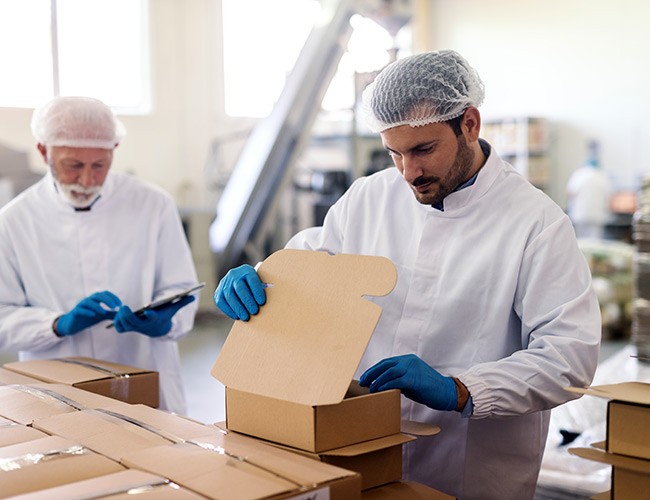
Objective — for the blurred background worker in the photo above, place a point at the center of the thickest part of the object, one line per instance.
(86, 245)
(588, 193)
(493, 314)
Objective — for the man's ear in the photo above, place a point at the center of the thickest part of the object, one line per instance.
(43, 150)
(471, 124)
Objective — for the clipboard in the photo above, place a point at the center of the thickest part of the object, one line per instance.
(165, 301)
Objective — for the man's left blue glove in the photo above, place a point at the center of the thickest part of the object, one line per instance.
(152, 322)
(416, 379)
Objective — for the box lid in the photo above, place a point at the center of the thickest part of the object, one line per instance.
(72, 370)
(307, 341)
(622, 461)
(632, 392)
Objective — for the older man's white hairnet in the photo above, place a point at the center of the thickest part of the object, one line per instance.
(422, 89)
(77, 122)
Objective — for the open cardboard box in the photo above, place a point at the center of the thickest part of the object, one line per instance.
(14, 433)
(628, 414)
(47, 462)
(630, 476)
(125, 383)
(288, 369)
(25, 403)
(122, 485)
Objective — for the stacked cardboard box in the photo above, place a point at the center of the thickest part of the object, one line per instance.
(627, 444)
(74, 436)
(288, 370)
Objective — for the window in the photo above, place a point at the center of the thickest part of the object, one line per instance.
(97, 48)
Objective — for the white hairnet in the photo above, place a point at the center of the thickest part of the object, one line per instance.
(77, 122)
(422, 89)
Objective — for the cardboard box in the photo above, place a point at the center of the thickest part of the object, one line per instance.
(47, 462)
(379, 461)
(630, 476)
(628, 414)
(125, 383)
(7, 377)
(122, 485)
(219, 473)
(25, 403)
(288, 369)
(14, 433)
(402, 490)
(103, 432)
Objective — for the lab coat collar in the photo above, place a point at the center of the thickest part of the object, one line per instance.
(486, 175)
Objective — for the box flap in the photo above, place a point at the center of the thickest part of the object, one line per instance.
(418, 428)
(307, 341)
(625, 462)
(633, 392)
(368, 446)
(71, 370)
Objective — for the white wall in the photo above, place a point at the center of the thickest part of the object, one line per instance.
(170, 146)
(583, 64)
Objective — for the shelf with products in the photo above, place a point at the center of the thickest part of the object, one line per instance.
(523, 142)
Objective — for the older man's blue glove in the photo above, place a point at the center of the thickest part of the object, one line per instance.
(88, 312)
(240, 293)
(151, 322)
(416, 379)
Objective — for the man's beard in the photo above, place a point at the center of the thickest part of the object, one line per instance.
(75, 194)
(457, 175)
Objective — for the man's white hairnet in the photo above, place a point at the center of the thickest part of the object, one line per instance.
(422, 89)
(77, 122)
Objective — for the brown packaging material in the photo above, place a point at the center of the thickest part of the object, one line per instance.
(7, 377)
(630, 476)
(219, 474)
(379, 461)
(47, 462)
(103, 431)
(293, 363)
(124, 383)
(628, 413)
(124, 485)
(25, 403)
(403, 490)
(14, 433)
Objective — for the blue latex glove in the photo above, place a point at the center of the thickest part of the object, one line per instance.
(416, 379)
(152, 322)
(240, 293)
(88, 312)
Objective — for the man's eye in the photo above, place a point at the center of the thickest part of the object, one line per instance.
(424, 150)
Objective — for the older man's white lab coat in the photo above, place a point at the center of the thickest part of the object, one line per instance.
(493, 290)
(131, 243)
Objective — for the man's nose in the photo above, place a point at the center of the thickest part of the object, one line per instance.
(86, 177)
(411, 169)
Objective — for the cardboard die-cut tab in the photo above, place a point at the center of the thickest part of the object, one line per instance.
(307, 341)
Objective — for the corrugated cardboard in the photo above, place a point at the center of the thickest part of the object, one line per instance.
(124, 485)
(14, 433)
(7, 377)
(379, 461)
(404, 490)
(293, 362)
(628, 414)
(219, 474)
(104, 432)
(630, 476)
(125, 383)
(47, 462)
(25, 403)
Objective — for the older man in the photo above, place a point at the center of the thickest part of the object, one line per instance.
(85, 246)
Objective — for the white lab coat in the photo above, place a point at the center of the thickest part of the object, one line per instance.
(493, 290)
(131, 243)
